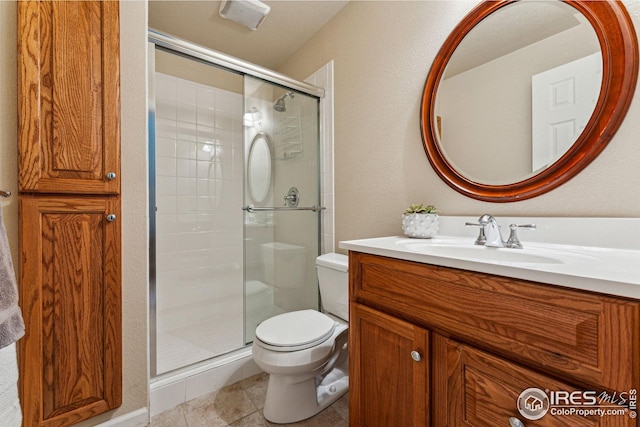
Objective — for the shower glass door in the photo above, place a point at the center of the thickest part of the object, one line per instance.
(234, 194)
(197, 300)
(281, 201)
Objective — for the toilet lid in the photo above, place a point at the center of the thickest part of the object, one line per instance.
(296, 330)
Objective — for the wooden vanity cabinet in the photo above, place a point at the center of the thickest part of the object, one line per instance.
(489, 339)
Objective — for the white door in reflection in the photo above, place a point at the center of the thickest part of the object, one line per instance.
(563, 99)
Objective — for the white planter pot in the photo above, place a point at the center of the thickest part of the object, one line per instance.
(420, 225)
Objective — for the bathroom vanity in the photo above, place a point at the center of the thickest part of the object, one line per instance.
(435, 343)
(446, 333)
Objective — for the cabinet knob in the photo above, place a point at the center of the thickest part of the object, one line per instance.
(111, 175)
(514, 422)
(111, 217)
(416, 356)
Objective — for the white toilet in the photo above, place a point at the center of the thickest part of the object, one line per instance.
(305, 352)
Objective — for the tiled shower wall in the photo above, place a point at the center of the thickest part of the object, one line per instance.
(199, 230)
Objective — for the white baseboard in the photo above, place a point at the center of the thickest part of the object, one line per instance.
(137, 418)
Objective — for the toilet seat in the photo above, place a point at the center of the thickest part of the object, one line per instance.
(296, 330)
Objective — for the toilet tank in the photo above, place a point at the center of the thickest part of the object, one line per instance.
(284, 264)
(333, 279)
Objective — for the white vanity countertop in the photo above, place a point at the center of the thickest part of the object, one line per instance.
(611, 267)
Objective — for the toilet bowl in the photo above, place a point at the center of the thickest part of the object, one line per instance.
(305, 352)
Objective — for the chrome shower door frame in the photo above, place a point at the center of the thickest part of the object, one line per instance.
(198, 53)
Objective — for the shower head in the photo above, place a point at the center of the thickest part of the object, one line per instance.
(279, 104)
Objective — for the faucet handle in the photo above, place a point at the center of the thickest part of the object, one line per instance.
(512, 241)
(482, 238)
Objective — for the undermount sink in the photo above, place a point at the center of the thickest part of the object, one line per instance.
(466, 250)
(473, 252)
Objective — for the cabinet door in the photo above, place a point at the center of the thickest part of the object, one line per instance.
(70, 357)
(387, 386)
(69, 96)
(477, 389)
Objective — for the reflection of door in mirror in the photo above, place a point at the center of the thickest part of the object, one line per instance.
(485, 98)
(563, 100)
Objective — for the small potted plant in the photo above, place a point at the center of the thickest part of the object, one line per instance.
(420, 221)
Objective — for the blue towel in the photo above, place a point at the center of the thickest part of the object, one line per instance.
(11, 322)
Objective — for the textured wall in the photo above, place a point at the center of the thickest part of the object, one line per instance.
(380, 68)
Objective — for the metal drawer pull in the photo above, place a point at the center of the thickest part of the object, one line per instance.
(111, 217)
(111, 175)
(416, 356)
(514, 422)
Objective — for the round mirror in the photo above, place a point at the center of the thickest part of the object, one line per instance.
(259, 167)
(523, 95)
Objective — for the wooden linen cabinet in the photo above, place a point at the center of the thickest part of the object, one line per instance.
(69, 208)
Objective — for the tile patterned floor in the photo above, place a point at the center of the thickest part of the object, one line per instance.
(240, 405)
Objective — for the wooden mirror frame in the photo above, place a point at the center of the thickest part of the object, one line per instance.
(619, 47)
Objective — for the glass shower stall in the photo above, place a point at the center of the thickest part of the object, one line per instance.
(234, 201)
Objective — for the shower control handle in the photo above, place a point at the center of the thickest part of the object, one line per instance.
(292, 198)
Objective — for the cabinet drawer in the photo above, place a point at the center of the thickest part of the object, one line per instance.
(480, 390)
(589, 338)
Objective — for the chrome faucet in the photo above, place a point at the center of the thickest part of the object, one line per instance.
(491, 236)
(491, 231)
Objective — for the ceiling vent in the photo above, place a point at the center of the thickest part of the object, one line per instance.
(249, 13)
